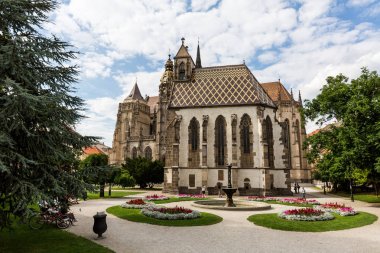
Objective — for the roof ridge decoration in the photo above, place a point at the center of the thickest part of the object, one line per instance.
(220, 86)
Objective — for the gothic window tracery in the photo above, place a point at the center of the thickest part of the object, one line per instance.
(220, 141)
(245, 138)
(134, 152)
(148, 153)
(268, 141)
(194, 134)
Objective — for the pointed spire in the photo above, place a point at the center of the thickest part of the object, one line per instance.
(169, 64)
(135, 93)
(198, 63)
(291, 93)
(299, 97)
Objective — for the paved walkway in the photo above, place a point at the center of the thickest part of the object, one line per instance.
(233, 234)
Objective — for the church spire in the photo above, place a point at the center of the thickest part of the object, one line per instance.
(135, 93)
(299, 97)
(198, 63)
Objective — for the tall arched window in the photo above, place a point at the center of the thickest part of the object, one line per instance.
(181, 71)
(194, 134)
(268, 141)
(220, 141)
(298, 140)
(245, 138)
(148, 153)
(134, 152)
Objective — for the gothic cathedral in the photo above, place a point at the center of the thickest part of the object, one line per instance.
(207, 117)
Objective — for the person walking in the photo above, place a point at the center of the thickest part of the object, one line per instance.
(303, 193)
(298, 188)
(203, 191)
(295, 187)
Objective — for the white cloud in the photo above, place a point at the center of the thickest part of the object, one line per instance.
(267, 57)
(202, 5)
(360, 3)
(303, 45)
(147, 82)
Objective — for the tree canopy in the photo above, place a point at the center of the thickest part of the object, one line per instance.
(38, 110)
(144, 171)
(349, 148)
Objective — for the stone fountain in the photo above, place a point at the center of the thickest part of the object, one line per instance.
(229, 191)
(229, 203)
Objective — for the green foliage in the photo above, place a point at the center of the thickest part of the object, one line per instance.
(38, 111)
(271, 220)
(350, 148)
(144, 171)
(136, 216)
(125, 179)
(95, 170)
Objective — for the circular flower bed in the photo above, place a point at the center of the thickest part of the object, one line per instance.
(136, 204)
(299, 201)
(156, 197)
(340, 209)
(306, 214)
(173, 213)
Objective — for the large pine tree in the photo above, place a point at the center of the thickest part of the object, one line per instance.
(38, 110)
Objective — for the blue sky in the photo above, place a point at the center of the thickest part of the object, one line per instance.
(300, 42)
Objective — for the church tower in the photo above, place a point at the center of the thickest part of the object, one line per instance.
(132, 123)
(183, 64)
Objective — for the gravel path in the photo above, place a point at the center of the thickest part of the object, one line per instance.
(233, 234)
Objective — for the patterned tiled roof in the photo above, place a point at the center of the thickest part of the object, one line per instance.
(215, 86)
(274, 89)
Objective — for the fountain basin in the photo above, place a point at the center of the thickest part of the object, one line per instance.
(239, 205)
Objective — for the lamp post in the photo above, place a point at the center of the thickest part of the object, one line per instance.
(352, 191)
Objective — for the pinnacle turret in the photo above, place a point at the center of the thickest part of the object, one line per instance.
(198, 63)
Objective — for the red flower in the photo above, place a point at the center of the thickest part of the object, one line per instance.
(136, 202)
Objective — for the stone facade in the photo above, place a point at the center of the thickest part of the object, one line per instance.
(205, 118)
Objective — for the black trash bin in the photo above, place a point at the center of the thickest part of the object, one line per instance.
(100, 224)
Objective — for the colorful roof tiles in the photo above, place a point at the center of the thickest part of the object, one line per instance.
(218, 86)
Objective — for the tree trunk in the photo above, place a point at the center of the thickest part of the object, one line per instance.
(109, 189)
(101, 190)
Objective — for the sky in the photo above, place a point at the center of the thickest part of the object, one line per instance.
(300, 42)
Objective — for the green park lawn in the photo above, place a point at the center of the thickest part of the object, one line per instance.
(114, 194)
(136, 216)
(339, 223)
(176, 199)
(22, 239)
(365, 197)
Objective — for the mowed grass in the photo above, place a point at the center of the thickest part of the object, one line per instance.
(339, 223)
(114, 194)
(136, 216)
(175, 199)
(46, 240)
(365, 197)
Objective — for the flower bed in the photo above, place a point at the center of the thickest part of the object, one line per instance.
(174, 213)
(340, 209)
(156, 197)
(195, 196)
(136, 204)
(260, 198)
(300, 201)
(306, 214)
